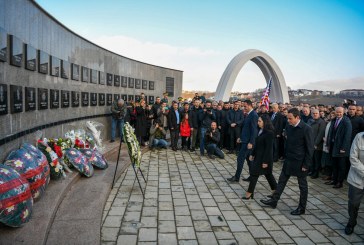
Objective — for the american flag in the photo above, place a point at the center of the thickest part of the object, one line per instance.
(265, 99)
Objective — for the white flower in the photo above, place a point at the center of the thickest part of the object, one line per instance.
(18, 164)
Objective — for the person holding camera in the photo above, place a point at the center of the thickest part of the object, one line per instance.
(118, 114)
(212, 138)
(157, 135)
(206, 117)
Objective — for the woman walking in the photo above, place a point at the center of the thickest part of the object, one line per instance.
(262, 156)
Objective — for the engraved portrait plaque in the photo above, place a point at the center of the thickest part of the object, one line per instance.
(54, 96)
(3, 99)
(30, 58)
(85, 74)
(108, 99)
(65, 69)
(16, 51)
(75, 72)
(101, 99)
(102, 78)
(151, 99)
(93, 97)
(131, 82)
(144, 84)
(109, 79)
(42, 98)
(151, 85)
(124, 82)
(94, 76)
(116, 96)
(137, 98)
(55, 66)
(130, 97)
(16, 98)
(137, 84)
(124, 97)
(75, 99)
(85, 98)
(30, 99)
(65, 99)
(116, 80)
(43, 60)
(3, 47)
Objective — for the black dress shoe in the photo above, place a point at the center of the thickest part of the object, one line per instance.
(248, 198)
(233, 179)
(269, 202)
(349, 230)
(111, 141)
(270, 196)
(338, 185)
(246, 179)
(330, 183)
(298, 211)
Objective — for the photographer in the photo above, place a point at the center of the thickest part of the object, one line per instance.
(212, 138)
(206, 117)
(157, 135)
(118, 113)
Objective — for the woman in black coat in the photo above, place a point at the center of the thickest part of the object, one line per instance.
(262, 156)
(141, 122)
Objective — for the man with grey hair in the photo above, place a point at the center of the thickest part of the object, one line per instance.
(118, 113)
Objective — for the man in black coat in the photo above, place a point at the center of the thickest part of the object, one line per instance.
(338, 142)
(357, 122)
(156, 107)
(194, 123)
(278, 121)
(206, 117)
(174, 119)
(299, 151)
(234, 121)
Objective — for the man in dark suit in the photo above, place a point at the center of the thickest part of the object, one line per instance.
(338, 142)
(234, 121)
(277, 120)
(173, 124)
(299, 151)
(247, 138)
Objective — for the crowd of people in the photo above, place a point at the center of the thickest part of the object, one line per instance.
(310, 140)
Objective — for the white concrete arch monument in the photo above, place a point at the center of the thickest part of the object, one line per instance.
(269, 68)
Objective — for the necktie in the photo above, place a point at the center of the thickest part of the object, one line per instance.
(273, 116)
(337, 123)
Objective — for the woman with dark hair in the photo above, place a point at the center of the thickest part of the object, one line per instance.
(262, 156)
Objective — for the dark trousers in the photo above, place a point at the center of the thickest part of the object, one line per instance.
(355, 197)
(276, 149)
(234, 135)
(254, 179)
(224, 137)
(174, 138)
(338, 169)
(195, 136)
(243, 153)
(186, 142)
(316, 163)
(302, 184)
(212, 149)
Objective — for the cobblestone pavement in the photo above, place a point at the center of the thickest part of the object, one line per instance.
(188, 201)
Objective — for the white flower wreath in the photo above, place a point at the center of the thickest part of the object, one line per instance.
(132, 144)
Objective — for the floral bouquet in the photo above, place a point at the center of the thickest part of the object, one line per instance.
(16, 202)
(56, 168)
(133, 145)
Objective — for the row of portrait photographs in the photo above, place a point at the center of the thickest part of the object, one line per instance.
(24, 54)
(54, 98)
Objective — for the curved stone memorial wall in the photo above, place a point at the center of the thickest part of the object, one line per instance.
(51, 79)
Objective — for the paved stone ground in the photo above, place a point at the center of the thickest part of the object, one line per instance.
(188, 201)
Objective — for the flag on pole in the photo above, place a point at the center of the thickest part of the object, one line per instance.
(265, 98)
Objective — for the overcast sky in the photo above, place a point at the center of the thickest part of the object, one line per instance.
(310, 40)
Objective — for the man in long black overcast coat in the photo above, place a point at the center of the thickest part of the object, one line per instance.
(278, 122)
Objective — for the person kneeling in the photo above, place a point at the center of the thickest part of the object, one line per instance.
(212, 138)
(157, 135)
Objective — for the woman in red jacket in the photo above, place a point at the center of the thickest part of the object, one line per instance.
(185, 131)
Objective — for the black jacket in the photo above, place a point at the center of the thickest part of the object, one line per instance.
(278, 123)
(214, 139)
(339, 139)
(172, 120)
(155, 110)
(298, 149)
(235, 117)
(263, 153)
(194, 114)
(318, 130)
(357, 125)
(206, 118)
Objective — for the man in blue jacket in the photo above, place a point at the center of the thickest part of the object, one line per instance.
(247, 138)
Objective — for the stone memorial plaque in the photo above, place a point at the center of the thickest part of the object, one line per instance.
(102, 78)
(85, 98)
(65, 69)
(65, 99)
(93, 97)
(3, 99)
(75, 99)
(108, 99)
(85, 74)
(124, 82)
(131, 82)
(55, 66)
(116, 80)
(94, 76)
(43, 60)
(116, 96)
(30, 99)
(144, 84)
(130, 97)
(30, 58)
(109, 79)
(16, 98)
(54, 96)
(75, 75)
(151, 99)
(42, 98)
(101, 99)
(3, 48)
(151, 85)
(16, 51)
(137, 98)
(138, 84)
(124, 97)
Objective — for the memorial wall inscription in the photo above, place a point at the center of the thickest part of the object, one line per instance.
(30, 99)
